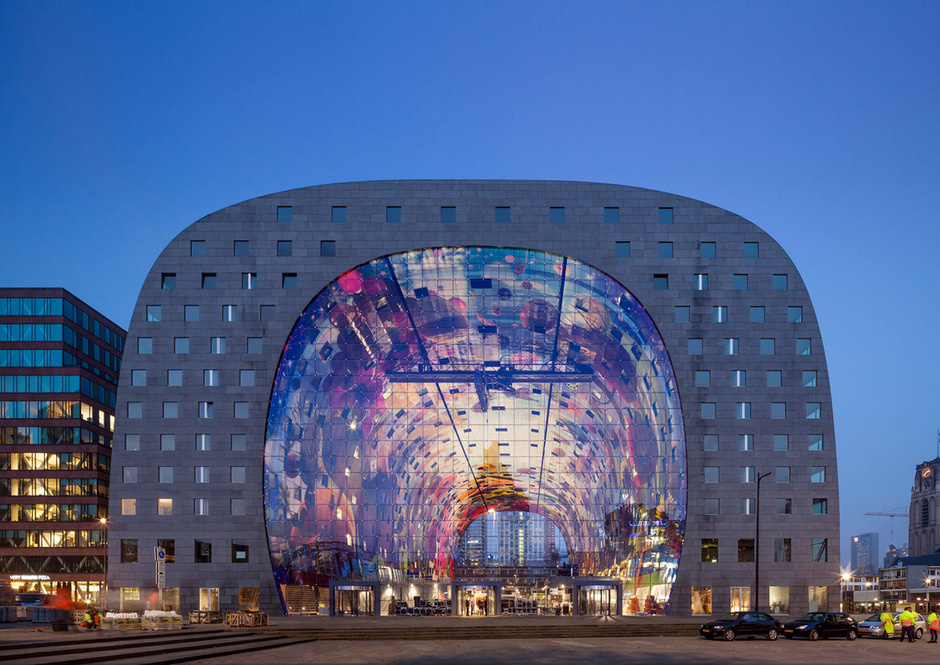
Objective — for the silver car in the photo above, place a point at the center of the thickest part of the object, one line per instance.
(871, 627)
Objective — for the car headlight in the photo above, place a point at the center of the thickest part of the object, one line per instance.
(800, 627)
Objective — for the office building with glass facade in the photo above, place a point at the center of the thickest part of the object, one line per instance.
(59, 366)
(329, 391)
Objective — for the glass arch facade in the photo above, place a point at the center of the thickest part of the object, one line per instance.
(425, 389)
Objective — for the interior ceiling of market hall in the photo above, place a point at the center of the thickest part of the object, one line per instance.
(424, 389)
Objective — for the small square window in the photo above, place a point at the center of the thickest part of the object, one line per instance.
(289, 280)
(660, 282)
(145, 345)
(249, 280)
(711, 474)
(809, 378)
(130, 474)
(267, 313)
(803, 347)
(774, 378)
(738, 378)
(448, 214)
(815, 442)
(751, 250)
(254, 345)
(217, 345)
(327, 248)
(132, 442)
(682, 314)
(170, 410)
(695, 346)
(767, 347)
(503, 215)
(203, 442)
(128, 506)
(393, 214)
(719, 314)
(732, 346)
(611, 215)
(556, 215)
(781, 442)
(817, 474)
(242, 248)
(201, 474)
(710, 442)
(181, 345)
(742, 410)
(622, 249)
(246, 377)
(708, 410)
(285, 248)
(285, 213)
(164, 506)
(709, 550)
(821, 550)
(128, 550)
(154, 313)
(241, 409)
(665, 250)
(208, 280)
(707, 250)
(702, 378)
(200, 507)
(757, 314)
(167, 442)
(820, 506)
(746, 549)
(745, 442)
(780, 283)
(813, 410)
(711, 507)
(238, 474)
(239, 552)
(782, 474)
(210, 377)
(202, 550)
(784, 506)
(339, 214)
(747, 506)
(174, 377)
(700, 282)
(239, 506)
(206, 409)
(197, 248)
(778, 410)
(165, 474)
(191, 313)
(168, 280)
(239, 442)
(230, 313)
(794, 315)
(739, 283)
(665, 216)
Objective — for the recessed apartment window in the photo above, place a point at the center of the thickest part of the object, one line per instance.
(238, 474)
(813, 410)
(202, 551)
(709, 550)
(556, 215)
(239, 506)
(191, 313)
(695, 346)
(230, 313)
(702, 378)
(815, 442)
(170, 410)
(682, 314)
(739, 283)
(707, 250)
(128, 550)
(267, 313)
(781, 442)
(181, 345)
(164, 506)
(206, 409)
(208, 280)
(708, 410)
(254, 345)
(742, 410)
(782, 474)
(210, 377)
(217, 345)
(197, 248)
(757, 314)
(732, 346)
(820, 506)
(747, 506)
(611, 215)
(784, 507)
(285, 248)
(135, 409)
(239, 442)
(246, 377)
(809, 378)
(241, 409)
(168, 280)
(327, 248)
(174, 377)
(201, 474)
(622, 248)
(745, 442)
(132, 442)
(820, 550)
(751, 250)
(774, 378)
(803, 347)
(167, 442)
(778, 410)
(393, 214)
(710, 442)
(130, 474)
(289, 280)
(241, 248)
(780, 282)
(154, 313)
(239, 552)
(448, 214)
(767, 346)
(817, 474)
(794, 315)
(711, 474)
(738, 378)
(128, 506)
(503, 215)
(145, 345)
(203, 442)
(249, 280)
(711, 507)
(338, 214)
(285, 213)
(665, 250)
(200, 506)
(164, 474)
(660, 282)
(700, 282)
(665, 216)
(719, 314)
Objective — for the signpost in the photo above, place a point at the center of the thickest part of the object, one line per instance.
(159, 556)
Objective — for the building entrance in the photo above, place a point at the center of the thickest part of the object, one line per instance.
(359, 599)
(476, 599)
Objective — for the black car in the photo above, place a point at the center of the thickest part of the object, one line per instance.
(817, 625)
(742, 624)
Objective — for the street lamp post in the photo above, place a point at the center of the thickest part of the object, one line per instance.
(104, 524)
(760, 477)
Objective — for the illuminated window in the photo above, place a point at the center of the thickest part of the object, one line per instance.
(128, 506)
(709, 550)
(239, 551)
(164, 506)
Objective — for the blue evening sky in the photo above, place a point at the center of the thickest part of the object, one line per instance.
(121, 123)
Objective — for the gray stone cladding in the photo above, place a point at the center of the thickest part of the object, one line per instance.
(583, 235)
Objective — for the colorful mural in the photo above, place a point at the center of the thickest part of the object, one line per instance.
(421, 390)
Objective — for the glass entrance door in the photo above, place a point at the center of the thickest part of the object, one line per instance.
(597, 600)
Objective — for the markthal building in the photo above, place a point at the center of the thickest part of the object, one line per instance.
(473, 398)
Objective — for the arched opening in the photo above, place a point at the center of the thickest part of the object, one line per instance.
(421, 391)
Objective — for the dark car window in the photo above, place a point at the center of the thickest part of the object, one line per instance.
(765, 617)
(734, 616)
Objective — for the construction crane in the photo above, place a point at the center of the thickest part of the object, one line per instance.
(892, 515)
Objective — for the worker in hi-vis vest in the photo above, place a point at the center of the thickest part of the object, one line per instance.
(887, 622)
(933, 623)
(907, 619)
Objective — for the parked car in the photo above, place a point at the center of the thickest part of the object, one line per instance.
(816, 625)
(742, 624)
(871, 627)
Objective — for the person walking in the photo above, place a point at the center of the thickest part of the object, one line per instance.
(933, 623)
(887, 623)
(907, 619)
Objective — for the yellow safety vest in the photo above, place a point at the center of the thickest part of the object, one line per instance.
(887, 620)
(934, 621)
(907, 619)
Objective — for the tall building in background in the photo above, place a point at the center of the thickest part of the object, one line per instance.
(865, 553)
(59, 366)
(924, 529)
